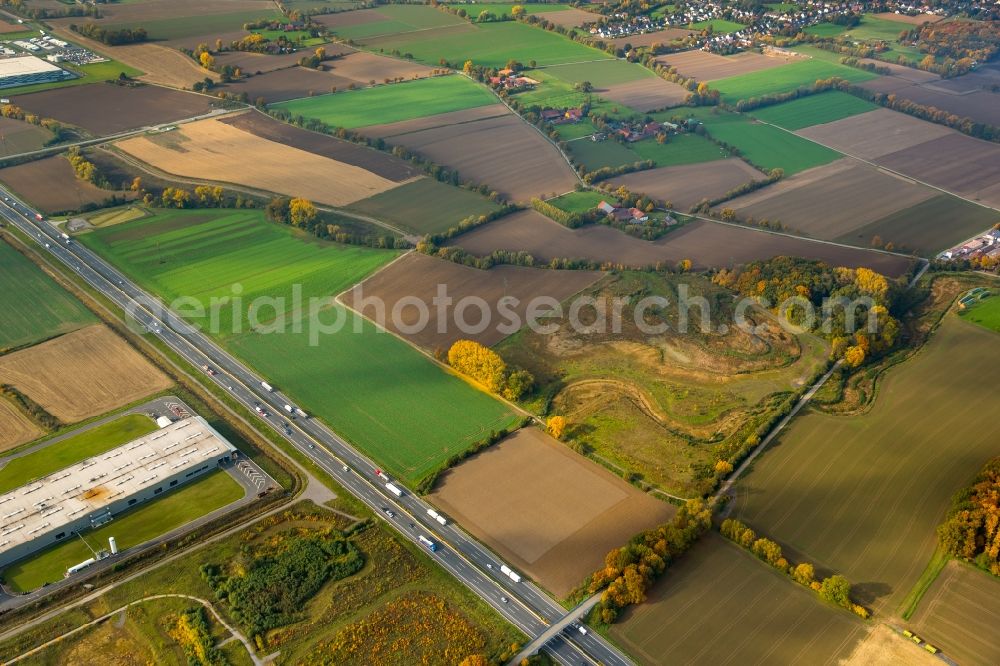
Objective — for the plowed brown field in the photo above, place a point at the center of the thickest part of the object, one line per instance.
(705, 66)
(82, 374)
(687, 185)
(649, 94)
(874, 134)
(216, 151)
(503, 152)
(548, 511)
(50, 185)
(417, 278)
(706, 244)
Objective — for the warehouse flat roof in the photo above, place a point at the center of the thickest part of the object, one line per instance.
(83, 489)
(25, 65)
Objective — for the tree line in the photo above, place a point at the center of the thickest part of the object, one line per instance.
(972, 530)
(111, 36)
(835, 589)
(303, 214)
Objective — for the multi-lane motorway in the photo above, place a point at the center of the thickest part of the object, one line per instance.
(523, 604)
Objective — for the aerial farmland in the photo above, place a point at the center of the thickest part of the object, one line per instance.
(482, 333)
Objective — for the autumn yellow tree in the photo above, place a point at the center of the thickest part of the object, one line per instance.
(301, 212)
(136, 184)
(556, 426)
(478, 362)
(854, 356)
(723, 467)
(467, 67)
(517, 11)
(207, 60)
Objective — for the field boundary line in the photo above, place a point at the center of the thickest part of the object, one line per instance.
(234, 633)
(236, 187)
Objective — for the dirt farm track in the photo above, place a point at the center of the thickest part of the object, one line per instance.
(82, 374)
(547, 510)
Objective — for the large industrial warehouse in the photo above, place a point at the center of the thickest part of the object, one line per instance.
(26, 70)
(92, 492)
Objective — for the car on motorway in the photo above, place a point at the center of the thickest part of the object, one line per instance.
(504, 599)
(389, 512)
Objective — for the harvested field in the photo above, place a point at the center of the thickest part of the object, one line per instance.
(705, 66)
(928, 227)
(21, 137)
(649, 94)
(6, 27)
(425, 206)
(155, 10)
(954, 162)
(15, 427)
(960, 614)
(510, 156)
(689, 184)
(259, 63)
(902, 73)
(919, 19)
(364, 67)
(82, 374)
(417, 277)
(437, 120)
(885, 647)
(850, 195)
(648, 39)
(718, 589)
(348, 19)
(569, 18)
(377, 162)
(706, 244)
(862, 495)
(292, 83)
(546, 510)
(981, 105)
(874, 134)
(51, 186)
(107, 108)
(229, 155)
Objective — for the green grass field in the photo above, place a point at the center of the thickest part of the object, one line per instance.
(719, 26)
(595, 155)
(582, 129)
(862, 495)
(503, 8)
(425, 206)
(32, 306)
(680, 149)
(813, 110)
(490, 44)
(392, 103)
(985, 312)
(928, 227)
(373, 389)
(785, 78)
(601, 74)
(182, 27)
(138, 525)
(578, 202)
(871, 28)
(765, 146)
(399, 19)
(85, 444)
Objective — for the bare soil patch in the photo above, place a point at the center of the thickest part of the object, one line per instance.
(885, 647)
(648, 94)
(959, 614)
(258, 63)
(689, 184)
(570, 18)
(548, 511)
(832, 200)
(967, 97)
(955, 162)
(503, 152)
(417, 277)
(291, 83)
(919, 19)
(705, 66)
(648, 39)
(6, 26)
(127, 12)
(346, 19)
(82, 374)
(706, 244)
(899, 72)
(15, 427)
(21, 137)
(107, 108)
(377, 162)
(363, 68)
(214, 150)
(459, 117)
(874, 134)
(50, 185)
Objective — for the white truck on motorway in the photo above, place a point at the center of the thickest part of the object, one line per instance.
(510, 573)
(301, 413)
(437, 516)
(267, 387)
(288, 408)
(394, 489)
